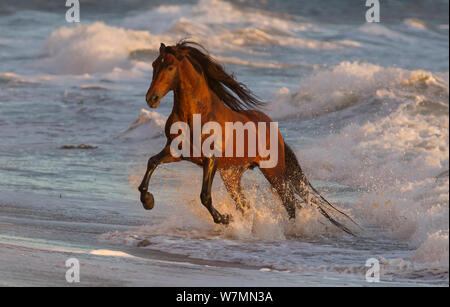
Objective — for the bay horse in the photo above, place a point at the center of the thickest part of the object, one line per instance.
(202, 86)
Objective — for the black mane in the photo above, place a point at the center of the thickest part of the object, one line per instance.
(234, 94)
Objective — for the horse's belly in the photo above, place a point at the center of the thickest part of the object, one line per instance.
(226, 163)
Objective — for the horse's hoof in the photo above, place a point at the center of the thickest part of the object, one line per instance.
(147, 200)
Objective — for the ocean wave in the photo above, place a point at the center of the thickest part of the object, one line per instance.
(149, 124)
(14, 80)
(93, 48)
(219, 25)
(72, 50)
(351, 83)
(380, 30)
(415, 23)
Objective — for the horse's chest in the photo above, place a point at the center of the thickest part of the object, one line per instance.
(192, 124)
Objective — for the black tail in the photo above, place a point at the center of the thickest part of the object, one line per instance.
(301, 185)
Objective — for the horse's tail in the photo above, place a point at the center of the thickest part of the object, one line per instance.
(302, 187)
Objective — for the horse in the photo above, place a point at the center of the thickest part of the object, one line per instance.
(201, 85)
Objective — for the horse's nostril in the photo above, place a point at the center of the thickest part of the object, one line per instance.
(155, 98)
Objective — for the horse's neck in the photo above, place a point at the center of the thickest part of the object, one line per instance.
(190, 100)
(193, 96)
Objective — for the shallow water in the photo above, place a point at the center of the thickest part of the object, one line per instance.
(365, 106)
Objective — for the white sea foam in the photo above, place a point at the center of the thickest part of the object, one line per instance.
(396, 157)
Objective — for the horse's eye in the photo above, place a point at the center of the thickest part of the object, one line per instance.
(170, 68)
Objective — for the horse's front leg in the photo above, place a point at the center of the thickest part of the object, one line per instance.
(163, 157)
(209, 170)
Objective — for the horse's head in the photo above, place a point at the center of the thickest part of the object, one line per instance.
(165, 75)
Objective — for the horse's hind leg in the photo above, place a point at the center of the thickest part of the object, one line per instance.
(232, 180)
(276, 178)
(209, 170)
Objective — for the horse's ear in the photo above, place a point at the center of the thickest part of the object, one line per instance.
(162, 48)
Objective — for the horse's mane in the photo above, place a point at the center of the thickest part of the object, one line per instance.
(224, 85)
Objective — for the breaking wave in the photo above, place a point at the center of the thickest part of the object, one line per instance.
(219, 25)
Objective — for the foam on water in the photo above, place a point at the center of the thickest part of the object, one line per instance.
(396, 156)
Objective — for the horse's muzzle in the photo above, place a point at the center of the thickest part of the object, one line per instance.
(153, 100)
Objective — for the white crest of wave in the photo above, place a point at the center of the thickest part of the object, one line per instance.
(415, 23)
(350, 83)
(110, 253)
(149, 124)
(94, 48)
(380, 30)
